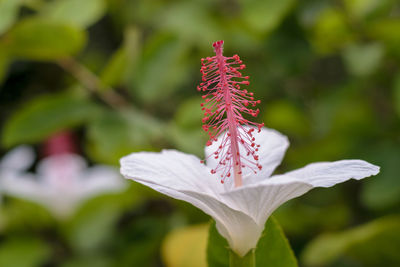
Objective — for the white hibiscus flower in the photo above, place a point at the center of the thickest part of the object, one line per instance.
(240, 212)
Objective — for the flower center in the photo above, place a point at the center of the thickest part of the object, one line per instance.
(224, 106)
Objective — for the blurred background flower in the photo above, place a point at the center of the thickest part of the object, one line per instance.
(121, 76)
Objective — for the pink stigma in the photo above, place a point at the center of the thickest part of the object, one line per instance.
(224, 105)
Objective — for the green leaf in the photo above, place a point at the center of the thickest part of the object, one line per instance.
(189, 113)
(41, 39)
(383, 191)
(26, 252)
(186, 247)
(123, 61)
(373, 244)
(197, 22)
(388, 31)
(98, 260)
(4, 63)
(286, 117)
(45, 115)
(361, 9)
(396, 94)
(273, 248)
(331, 31)
(94, 224)
(363, 59)
(161, 69)
(116, 134)
(75, 12)
(217, 249)
(8, 14)
(265, 16)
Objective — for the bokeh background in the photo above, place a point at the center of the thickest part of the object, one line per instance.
(121, 76)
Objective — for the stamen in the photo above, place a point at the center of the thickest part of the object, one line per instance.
(224, 105)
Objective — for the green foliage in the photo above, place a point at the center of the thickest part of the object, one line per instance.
(287, 118)
(45, 115)
(75, 12)
(383, 193)
(396, 94)
(363, 60)
(116, 134)
(372, 244)
(24, 252)
(161, 66)
(264, 16)
(331, 31)
(8, 14)
(273, 249)
(41, 39)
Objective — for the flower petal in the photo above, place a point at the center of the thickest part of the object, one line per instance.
(172, 169)
(99, 179)
(273, 146)
(183, 177)
(60, 170)
(260, 200)
(18, 159)
(326, 174)
(240, 230)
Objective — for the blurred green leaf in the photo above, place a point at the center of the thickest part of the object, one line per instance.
(331, 31)
(373, 244)
(197, 22)
(186, 247)
(45, 115)
(396, 94)
(23, 252)
(273, 248)
(361, 9)
(189, 114)
(161, 69)
(8, 14)
(363, 59)
(96, 260)
(76, 12)
(383, 191)
(4, 63)
(93, 226)
(188, 141)
(311, 218)
(286, 117)
(388, 31)
(116, 134)
(265, 16)
(123, 61)
(41, 39)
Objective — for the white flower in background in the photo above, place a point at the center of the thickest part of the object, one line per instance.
(61, 181)
(240, 212)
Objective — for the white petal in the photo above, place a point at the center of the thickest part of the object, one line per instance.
(183, 177)
(18, 159)
(100, 179)
(23, 186)
(240, 230)
(260, 200)
(172, 169)
(273, 146)
(326, 174)
(61, 170)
